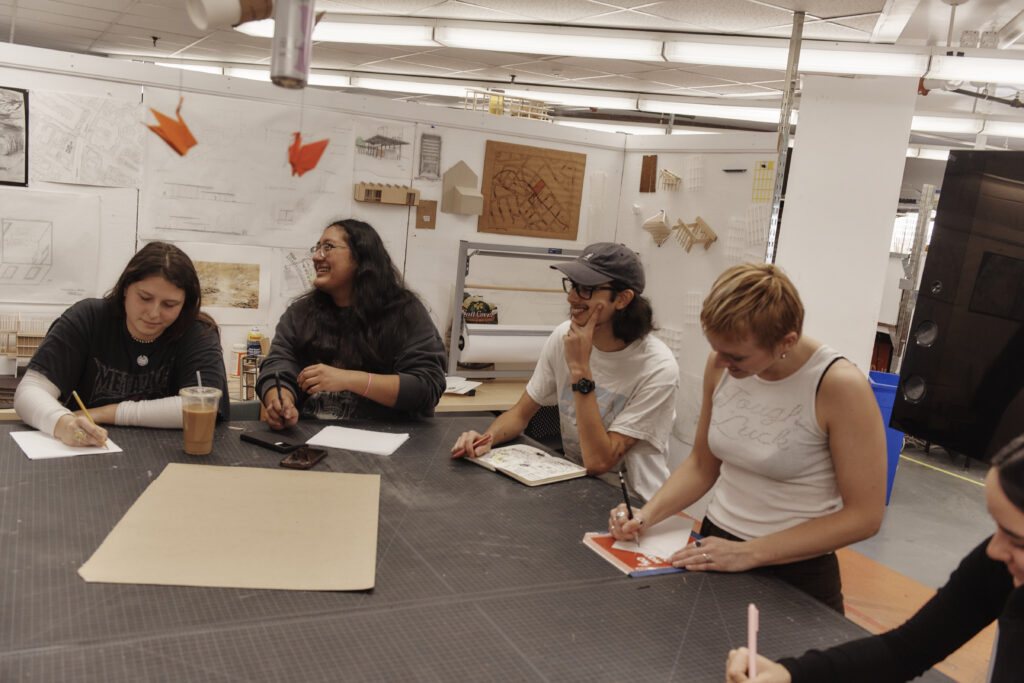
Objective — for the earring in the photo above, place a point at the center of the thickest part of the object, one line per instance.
(783, 356)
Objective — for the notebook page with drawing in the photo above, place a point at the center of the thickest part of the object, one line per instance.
(529, 465)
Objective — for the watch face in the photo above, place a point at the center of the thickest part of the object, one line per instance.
(584, 386)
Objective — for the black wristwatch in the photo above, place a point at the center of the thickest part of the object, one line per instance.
(584, 386)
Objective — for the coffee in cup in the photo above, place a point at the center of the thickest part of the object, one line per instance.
(199, 417)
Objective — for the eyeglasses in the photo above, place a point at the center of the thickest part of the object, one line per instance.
(325, 248)
(582, 291)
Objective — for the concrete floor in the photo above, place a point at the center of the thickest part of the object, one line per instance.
(936, 515)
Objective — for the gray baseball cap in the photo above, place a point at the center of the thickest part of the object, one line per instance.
(605, 261)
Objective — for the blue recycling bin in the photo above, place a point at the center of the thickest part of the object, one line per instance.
(884, 385)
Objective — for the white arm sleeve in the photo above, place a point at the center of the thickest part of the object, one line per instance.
(161, 412)
(37, 402)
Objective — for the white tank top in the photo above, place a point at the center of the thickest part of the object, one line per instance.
(777, 469)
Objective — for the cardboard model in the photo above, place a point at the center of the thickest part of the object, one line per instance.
(460, 194)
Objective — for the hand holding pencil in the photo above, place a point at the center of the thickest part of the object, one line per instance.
(736, 669)
(470, 443)
(79, 429)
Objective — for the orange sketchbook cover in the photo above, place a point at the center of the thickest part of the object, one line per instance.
(630, 562)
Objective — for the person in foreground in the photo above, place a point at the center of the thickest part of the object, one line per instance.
(614, 383)
(985, 587)
(126, 355)
(789, 435)
(358, 345)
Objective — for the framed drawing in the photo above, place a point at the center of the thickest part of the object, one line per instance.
(531, 191)
(13, 136)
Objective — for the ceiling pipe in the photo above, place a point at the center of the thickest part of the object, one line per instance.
(1011, 32)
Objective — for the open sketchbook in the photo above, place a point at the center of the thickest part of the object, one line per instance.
(529, 465)
(647, 559)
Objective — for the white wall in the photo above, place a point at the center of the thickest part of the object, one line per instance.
(848, 158)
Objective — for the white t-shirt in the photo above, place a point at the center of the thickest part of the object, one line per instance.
(636, 396)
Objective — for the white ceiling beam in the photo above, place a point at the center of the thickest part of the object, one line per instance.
(893, 20)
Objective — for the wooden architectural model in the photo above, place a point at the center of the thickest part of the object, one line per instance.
(377, 193)
(698, 232)
(669, 180)
(459, 193)
(657, 225)
(19, 338)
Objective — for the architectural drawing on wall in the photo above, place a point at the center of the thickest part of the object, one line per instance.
(382, 193)
(86, 140)
(26, 251)
(698, 232)
(49, 242)
(430, 157)
(756, 222)
(383, 145)
(694, 173)
(13, 136)
(229, 285)
(669, 180)
(237, 187)
(459, 193)
(764, 179)
(531, 191)
(298, 273)
(235, 281)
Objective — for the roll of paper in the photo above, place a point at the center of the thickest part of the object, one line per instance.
(502, 346)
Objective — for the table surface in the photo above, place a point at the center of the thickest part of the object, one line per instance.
(499, 395)
(478, 578)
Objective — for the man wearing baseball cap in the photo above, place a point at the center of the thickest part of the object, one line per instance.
(613, 382)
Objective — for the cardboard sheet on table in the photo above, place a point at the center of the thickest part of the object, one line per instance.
(363, 440)
(243, 527)
(40, 446)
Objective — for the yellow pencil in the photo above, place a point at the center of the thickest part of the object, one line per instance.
(82, 406)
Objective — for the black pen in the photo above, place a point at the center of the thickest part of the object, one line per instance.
(629, 508)
(277, 385)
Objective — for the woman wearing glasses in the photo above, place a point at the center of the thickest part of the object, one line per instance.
(790, 437)
(358, 345)
(613, 382)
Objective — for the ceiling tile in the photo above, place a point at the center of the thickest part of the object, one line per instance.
(820, 30)
(826, 9)
(58, 23)
(723, 16)
(552, 11)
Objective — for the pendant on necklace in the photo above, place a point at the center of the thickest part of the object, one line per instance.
(142, 360)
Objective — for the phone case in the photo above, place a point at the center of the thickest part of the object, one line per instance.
(303, 458)
(270, 440)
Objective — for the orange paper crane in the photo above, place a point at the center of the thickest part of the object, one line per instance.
(174, 133)
(305, 157)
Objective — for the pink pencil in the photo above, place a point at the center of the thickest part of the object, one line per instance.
(752, 640)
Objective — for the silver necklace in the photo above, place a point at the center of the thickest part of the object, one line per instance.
(142, 360)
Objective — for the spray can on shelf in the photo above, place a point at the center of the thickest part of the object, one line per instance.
(252, 342)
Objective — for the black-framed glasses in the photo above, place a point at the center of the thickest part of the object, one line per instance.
(582, 291)
(325, 248)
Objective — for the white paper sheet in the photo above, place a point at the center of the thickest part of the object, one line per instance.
(39, 446)
(459, 385)
(662, 539)
(378, 443)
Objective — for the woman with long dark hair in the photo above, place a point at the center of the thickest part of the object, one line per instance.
(986, 587)
(126, 355)
(358, 345)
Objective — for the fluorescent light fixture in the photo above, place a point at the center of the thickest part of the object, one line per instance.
(563, 41)
(979, 66)
(1010, 129)
(927, 153)
(334, 29)
(329, 80)
(628, 129)
(946, 124)
(192, 67)
(415, 87)
(574, 99)
(834, 58)
(714, 111)
(250, 74)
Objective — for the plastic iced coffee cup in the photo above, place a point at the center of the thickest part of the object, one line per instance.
(199, 417)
